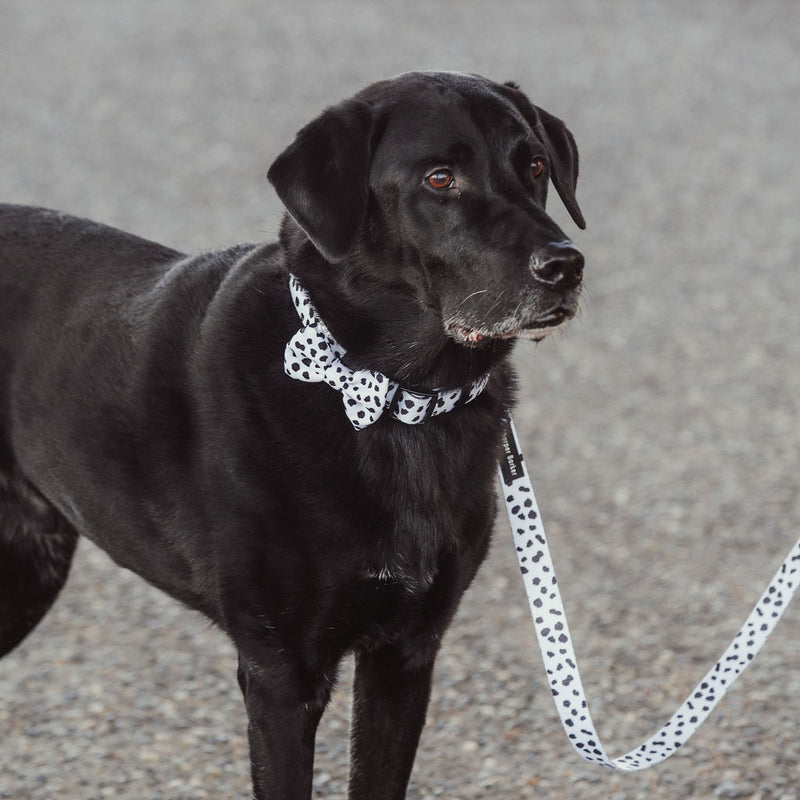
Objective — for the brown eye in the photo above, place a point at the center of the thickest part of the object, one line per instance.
(537, 168)
(440, 179)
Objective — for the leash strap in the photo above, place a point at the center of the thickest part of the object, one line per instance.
(552, 631)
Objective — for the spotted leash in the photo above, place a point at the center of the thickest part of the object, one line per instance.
(552, 632)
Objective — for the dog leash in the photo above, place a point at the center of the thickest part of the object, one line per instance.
(552, 633)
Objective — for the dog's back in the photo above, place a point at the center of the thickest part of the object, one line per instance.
(61, 281)
(44, 257)
(36, 543)
(99, 332)
(47, 261)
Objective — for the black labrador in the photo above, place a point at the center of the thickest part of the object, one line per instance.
(147, 402)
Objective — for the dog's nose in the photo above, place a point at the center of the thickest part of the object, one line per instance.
(559, 265)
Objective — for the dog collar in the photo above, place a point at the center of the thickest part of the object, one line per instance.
(313, 355)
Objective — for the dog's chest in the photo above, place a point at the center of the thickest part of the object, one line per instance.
(412, 504)
(396, 575)
(374, 609)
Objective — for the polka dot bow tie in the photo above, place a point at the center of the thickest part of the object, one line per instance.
(314, 355)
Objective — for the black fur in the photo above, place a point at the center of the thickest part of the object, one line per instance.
(143, 404)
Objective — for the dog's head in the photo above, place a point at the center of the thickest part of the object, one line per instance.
(440, 179)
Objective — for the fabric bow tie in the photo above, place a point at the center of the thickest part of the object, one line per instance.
(313, 355)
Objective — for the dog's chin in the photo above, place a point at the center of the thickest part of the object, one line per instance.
(538, 329)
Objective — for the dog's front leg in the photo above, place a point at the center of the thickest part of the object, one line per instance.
(390, 699)
(282, 723)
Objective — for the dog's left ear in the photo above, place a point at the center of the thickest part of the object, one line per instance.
(560, 145)
(323, 177)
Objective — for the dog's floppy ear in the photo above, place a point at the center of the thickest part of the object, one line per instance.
(560, 145)
(564, 154)
(323, 177)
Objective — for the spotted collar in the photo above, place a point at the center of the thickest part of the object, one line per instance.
(313, 355)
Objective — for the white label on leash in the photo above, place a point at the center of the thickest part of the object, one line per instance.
(552, 631)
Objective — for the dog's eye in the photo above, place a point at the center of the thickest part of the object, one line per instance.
(537, 168)
(440, 179)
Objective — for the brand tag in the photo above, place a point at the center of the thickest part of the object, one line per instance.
(511, 458)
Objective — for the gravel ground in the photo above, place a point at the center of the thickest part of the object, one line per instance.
(660, 430)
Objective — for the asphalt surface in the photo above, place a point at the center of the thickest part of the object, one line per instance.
(661, 430)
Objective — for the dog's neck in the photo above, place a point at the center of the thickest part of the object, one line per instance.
(314, 355)
(384, 322)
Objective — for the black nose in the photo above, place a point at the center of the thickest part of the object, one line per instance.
(559, 265)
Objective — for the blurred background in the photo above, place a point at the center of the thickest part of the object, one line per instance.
(661, 430)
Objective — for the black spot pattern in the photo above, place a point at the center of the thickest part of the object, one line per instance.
(560, 663)
(313, 355)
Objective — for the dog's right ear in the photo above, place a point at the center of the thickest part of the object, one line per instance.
(323, 177)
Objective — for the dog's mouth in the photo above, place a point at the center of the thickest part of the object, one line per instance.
(538, 329)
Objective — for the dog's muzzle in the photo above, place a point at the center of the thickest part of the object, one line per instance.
(557, 268)
(558, 265)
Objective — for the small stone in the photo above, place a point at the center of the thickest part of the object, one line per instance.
(729, 789)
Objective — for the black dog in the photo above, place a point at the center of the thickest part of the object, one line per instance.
(148, 402)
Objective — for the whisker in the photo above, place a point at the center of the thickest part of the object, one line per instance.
(496, 302)
(469, 296)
